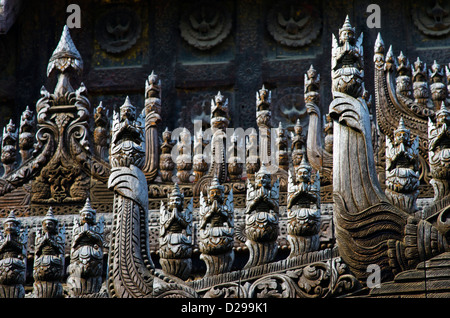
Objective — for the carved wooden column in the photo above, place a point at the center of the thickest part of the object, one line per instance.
(48, 269)
(261, 218)
(152, 111)
(13, 258)
(175, 243)
(402, 169)
(303, 210)
(216, 229)
(86, 254)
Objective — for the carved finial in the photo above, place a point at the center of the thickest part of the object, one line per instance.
(418, 70)
(436, 73)
(379, 45)
(153, 86)
(65, 55)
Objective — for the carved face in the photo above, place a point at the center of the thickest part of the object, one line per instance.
(127, 113)
(49, 226)
(442, 118)
(175, 202)
(216, 195)
(347, 36)
(11, 228)
(263, 180)
(401, 137)
(303, 175)
(87, 217)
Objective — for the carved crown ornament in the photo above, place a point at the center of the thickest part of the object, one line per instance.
(112, 205)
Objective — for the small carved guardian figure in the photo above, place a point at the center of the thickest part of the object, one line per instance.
(48, 269)
(439, 152)
(235, 159)
(328, 129)
(26, 134)
(263, 120)
(298, 143)
(303, 210)
(261, 218)
(347, 61)
(127, 128)
(152, 112)
(403, 80)
(184, 159)
(438, 88)
(86, 254)
(420, 84)
(402, 169)
(9, 147)
(216, 229)
(282, 148)
(199, 166)
(175, 243)
(166, 164)
(220, 119)
(13, 258)
(101, 131)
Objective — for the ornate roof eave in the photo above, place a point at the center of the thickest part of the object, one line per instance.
(66, 107)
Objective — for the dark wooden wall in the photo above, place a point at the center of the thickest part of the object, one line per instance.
(242, 60)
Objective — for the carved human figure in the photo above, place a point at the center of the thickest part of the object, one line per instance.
(101, 131)
(282, 148)
(439, 152)
(402, 169)
(9, 147)
(184, 158)
(175, 243)
(298, 143)
(303, 210)
(48, 269)
(347, 65)
(262, 218)
(153, 118)
(216, 229)
(166, 164)
(86, 254)
(13, 258)
(26, 134)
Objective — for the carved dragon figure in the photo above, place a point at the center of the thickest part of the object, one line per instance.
(369, 229)
(132, 273)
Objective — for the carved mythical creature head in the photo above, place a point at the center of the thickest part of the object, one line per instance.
(49, 222)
